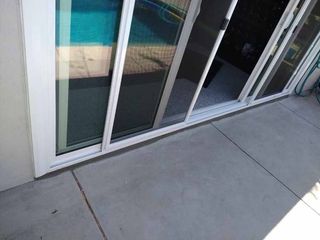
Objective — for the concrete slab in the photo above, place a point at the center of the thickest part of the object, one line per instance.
(283, 143)
(306, 107)
(51, 208)
(192, 185)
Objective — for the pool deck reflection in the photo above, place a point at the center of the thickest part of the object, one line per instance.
(78, 62)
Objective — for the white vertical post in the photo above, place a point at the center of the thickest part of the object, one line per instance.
(267, 51)
(304, 65)
(193, 12)
(123, 39)
(63, 61)
(210, 60)
(39, 39)
(279, 50)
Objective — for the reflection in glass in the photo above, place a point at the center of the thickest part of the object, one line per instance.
(153, 39)
(293, 54)
(249, 30)
(86, 36)
(276, 47)
(202, 39)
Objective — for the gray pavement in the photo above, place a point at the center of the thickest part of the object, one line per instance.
(254, 175)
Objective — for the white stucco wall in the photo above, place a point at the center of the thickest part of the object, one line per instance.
(15, 146)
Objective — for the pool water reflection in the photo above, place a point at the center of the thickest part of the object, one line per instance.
(86, 41)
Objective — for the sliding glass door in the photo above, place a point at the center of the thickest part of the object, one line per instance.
(252, 25)
(173, 56)
(205, 36)
(154, 36)
(304, 34)
(86, 40)
(221, 58)
(87, 58)
(106, 74)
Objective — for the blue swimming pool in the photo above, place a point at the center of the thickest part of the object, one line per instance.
(96, 22)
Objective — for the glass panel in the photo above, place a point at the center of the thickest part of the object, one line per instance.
(202, 39)
(250, 29)
(86, 36)
(293, 54)
(276, 47)
(154, 35)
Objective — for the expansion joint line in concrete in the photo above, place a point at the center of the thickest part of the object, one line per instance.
(89, 206)
(253, 159)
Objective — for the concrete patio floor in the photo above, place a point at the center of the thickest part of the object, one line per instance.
(254, 175)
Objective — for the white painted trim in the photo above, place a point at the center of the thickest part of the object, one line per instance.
(284, 52)
(39, 38)
(267, 51)
(64, 74)
(193, 120)
(123, 39)
(268, 98)
(40, 57)
(214, 107)
(210, 60)
(194, 10)
(280, 49)
(68, 157)
(218, 111)
(25, 85)
(304, 64)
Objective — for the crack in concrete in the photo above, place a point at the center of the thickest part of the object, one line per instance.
(89, 206)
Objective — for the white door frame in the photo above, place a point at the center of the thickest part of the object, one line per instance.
(294, 34)
(280, 49)
(304, 65)
(211, 58)
(38, 21)
(38, 18)
(283, 23)
(123, 39)
(193, 13)
(174, 70)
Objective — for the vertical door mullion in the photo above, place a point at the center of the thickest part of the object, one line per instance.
(280, 49)
(63, 75)
(210, 60)
(297, 73)
(193, 12)
(38, 22)
(305, 63)
(296, 29)
(267, 51)
(123, 39)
